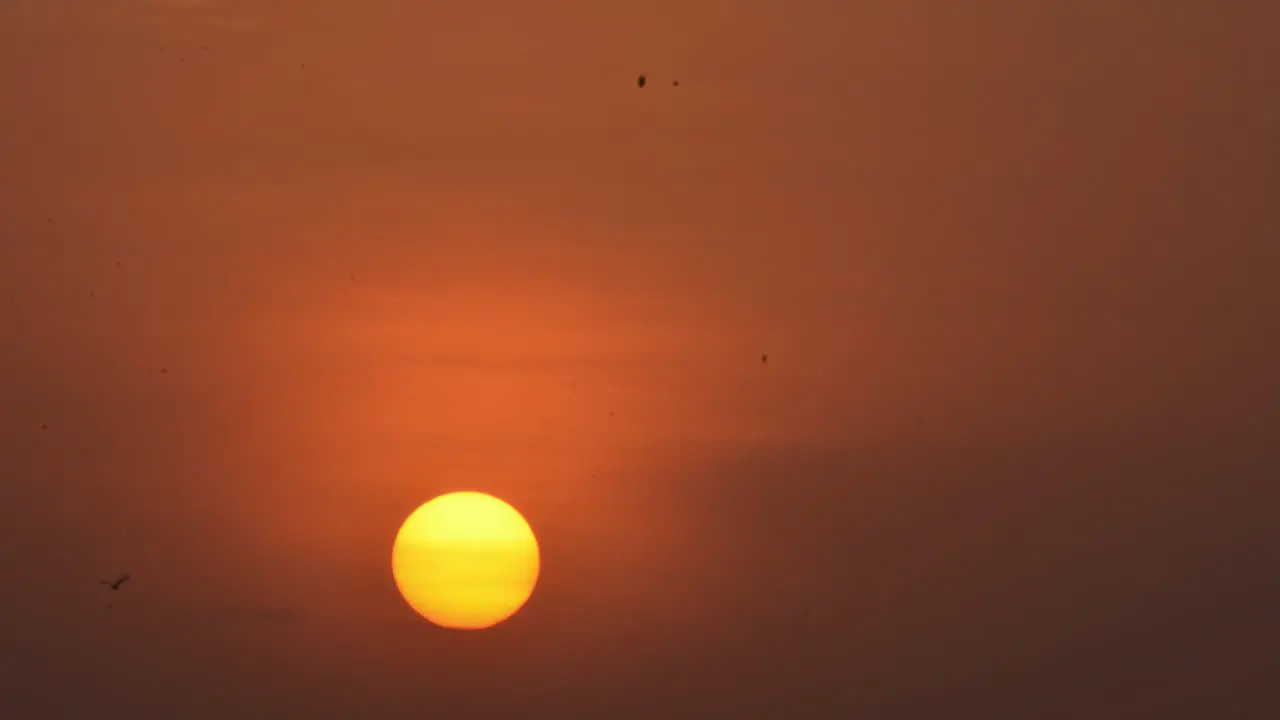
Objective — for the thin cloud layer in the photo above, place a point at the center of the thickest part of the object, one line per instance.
(178, 14)
(260, 613)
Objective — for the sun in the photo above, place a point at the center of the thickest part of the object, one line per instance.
(465, 560)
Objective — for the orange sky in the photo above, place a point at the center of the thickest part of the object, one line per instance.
(273, 273)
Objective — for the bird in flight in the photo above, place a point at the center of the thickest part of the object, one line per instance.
(640, 81)
(116, 585)
(764, 358)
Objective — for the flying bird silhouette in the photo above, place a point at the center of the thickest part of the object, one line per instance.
(116, 585)
(764, 358)
(640, 81)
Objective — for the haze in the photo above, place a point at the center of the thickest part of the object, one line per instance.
(272, 274)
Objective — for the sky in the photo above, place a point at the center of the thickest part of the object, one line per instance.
(274, 273)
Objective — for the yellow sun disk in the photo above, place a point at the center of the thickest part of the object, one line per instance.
(465, 561)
